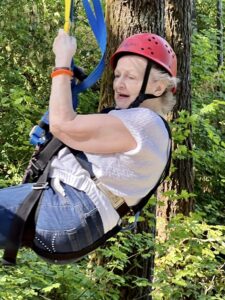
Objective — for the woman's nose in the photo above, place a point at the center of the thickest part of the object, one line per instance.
(120, 82)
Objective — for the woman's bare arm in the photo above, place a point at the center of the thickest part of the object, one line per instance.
(95, 133)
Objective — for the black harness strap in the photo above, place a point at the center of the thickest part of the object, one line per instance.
(40, 160)
(47, 153)
(60, 257)
(141, 98)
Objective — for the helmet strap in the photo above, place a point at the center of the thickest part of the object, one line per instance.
(146, 77)
(142, 96)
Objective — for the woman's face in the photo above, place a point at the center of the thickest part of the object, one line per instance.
(129, 74)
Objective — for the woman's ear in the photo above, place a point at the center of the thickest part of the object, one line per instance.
(159, 88)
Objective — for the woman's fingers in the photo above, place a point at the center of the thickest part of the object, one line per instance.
(64, 45)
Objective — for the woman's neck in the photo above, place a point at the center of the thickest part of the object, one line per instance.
(153, 104)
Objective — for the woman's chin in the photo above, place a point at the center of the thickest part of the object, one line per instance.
(123, 103)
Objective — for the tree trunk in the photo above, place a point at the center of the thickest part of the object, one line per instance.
(178, 33)
(194, 15)
(219, 33)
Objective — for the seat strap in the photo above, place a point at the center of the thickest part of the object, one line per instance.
(18, 224)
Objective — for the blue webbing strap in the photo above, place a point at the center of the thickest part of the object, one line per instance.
(98, 26)
(39, 134)
(71, 12)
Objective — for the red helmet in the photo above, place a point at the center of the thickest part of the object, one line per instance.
(152, 47)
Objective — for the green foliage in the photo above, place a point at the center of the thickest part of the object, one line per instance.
(209, 156)
(14, 131)
(205, 14)
(36, 279)
(190, 263)
(208, 132)
(27, 31)
(208, 128)
(207, 81)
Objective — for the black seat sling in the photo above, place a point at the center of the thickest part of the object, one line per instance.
(22, 229)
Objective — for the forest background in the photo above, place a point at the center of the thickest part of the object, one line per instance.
(190, 260)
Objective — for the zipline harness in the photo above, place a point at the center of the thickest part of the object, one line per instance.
(22, 230)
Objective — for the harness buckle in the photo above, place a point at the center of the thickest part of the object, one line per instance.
(40, 186)
(38, 131)
(32, 131)
(38, 135)
(35, 166)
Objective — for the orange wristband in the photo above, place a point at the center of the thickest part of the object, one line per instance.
(62, 72)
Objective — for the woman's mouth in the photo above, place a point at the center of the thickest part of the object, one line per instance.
(122, 96)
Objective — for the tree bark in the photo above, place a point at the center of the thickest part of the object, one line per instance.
(220, 33)
(194, 15)
(178, 33)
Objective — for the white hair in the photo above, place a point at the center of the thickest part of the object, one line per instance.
(167, 100)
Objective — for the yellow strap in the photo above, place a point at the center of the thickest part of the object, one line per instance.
(67, 16)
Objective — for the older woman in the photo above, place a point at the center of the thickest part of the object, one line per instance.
(127, 147)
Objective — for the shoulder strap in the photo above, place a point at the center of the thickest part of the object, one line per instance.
(40, 159)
